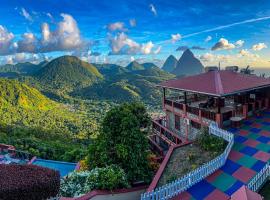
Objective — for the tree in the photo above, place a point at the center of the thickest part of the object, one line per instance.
(122, 142)
(247, 70)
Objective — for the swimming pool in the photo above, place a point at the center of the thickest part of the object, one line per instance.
(63, 167)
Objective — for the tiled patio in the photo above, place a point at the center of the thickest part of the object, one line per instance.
(249, 154)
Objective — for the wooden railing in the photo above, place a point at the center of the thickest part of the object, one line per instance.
(174, 188)
(193, 110)
(165, 133)
(178, 105)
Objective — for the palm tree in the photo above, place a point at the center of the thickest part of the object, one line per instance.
(247, 70)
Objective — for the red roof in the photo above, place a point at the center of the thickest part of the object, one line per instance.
(217, 83)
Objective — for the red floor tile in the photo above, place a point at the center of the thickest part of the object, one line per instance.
(213, 176)
(251, 143)
(183, 196)
(235, 155)
(265, 133)
(244, 174)
(256, 125)
(263, 156)
(217, 195)
(243, 132)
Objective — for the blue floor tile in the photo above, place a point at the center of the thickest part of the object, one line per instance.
(233, 130)
(201, 190)
(230, 167)
(263, 139)
(255, 130)
(258, 166)
(249, 150)
(234, 188)
(247, 123)
(266, 123)
(240, 139)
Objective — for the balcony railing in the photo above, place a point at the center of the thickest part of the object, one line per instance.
(174, 188)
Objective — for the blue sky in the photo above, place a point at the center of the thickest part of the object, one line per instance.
(119, 31)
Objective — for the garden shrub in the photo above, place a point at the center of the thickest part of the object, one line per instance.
(108, 178)
(210, 142)
(28, 182)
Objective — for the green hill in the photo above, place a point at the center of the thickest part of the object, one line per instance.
(26, 68)
(110, 69)
(134, 66)
(38, 125)
(68, 72)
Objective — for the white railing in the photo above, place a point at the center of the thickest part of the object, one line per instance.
(182, 184)
(257, 181)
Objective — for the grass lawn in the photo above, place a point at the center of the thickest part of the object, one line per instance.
(265, 191)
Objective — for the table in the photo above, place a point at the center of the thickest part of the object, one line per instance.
(236, 121)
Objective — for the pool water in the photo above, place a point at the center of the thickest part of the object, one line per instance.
(63, 167)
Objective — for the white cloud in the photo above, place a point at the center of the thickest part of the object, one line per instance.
(117, 26)
(244, 52)
(122, 44)
(247, 54)
(157, 51)
(26, 15)
(153, 9)
(28, 43)
(259, 46)
(147, 48)
(208, 38)
(6, 38)
(207, 57)
(132, 58)
(21, 58)
(132, 22)
(175, 37)
(223, 44)
(239, 43)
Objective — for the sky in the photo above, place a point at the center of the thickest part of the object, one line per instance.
(119, 31)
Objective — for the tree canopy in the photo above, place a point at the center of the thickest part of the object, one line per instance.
(123, 142)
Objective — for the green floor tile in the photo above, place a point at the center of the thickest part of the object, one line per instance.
(223, 182)
(266, 128)
(247, 161)
(245, 128)
(238, 146)
(259, 120)
(263, 147)
(253, 136)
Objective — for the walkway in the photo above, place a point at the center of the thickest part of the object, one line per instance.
(249, 154)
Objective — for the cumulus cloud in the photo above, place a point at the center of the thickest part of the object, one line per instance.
(183, 48)
(246, 53)
(65, 37)
(239, 43)
(21, 58)
(26, 15)
(122, 44)
(223, 44)
(197, 48)
(116, 26)
(208, 38)
(175, 37)
(6, 41)
(259, 46)
(153, 9)
(132, 22)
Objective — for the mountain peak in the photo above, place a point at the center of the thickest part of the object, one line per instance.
(134, 66)
(188, 64)
(170, 64)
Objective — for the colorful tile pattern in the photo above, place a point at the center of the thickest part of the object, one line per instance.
(249, 154)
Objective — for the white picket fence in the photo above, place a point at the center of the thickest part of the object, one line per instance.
(182, 184)
(257, 181)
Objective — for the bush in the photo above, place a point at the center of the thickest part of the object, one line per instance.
(79, 183)
(28, 182)
(210, 142)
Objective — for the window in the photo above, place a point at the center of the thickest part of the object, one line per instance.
(177, 122)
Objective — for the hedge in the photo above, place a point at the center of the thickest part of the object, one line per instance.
(28, 182)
